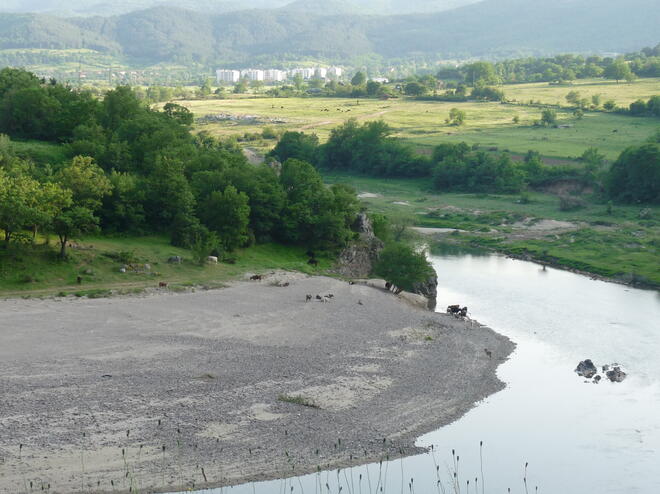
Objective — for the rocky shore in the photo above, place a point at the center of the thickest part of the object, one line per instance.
(167, 391)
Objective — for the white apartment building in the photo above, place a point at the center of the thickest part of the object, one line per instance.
(335, 72)
(253, 74)
(321, 73)
(230, 76)
(274, 75)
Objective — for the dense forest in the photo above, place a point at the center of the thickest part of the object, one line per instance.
(133, 170)
(167, 34)
(370, 149)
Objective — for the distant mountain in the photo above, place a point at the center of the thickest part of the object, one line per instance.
(486, 29)
(117, 7)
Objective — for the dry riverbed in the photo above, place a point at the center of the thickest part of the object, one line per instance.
(168, 391)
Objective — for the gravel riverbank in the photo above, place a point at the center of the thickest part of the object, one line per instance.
(162, 391)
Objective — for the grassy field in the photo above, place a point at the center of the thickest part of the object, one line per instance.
(39, 151)
(423, 122)
(36, 271)
(589, 239)
(622, 93)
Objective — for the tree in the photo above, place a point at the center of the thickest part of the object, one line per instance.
(456, 117)
(296, 145)
(86, 181)
(635, 176)
(178, 113)
(402, 266)
(359, 78)
(228, 214)
(549, 117)
(481, 73)
(27, 204)
(609, 105)
(373, 88)
(618, 70)
(298, 81)
(414, 89)
(595, 100)
(72, 223)
(573, 97)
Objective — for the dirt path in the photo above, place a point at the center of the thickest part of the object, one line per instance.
(144, 392)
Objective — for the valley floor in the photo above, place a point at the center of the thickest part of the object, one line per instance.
(168, 391)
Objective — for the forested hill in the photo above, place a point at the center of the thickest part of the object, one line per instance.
(489, 28)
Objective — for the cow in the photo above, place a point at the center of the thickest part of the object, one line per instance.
(318, 297)
(464, 312)
(162, 284)
(330, 295)
(308, 298)
(175, 260)
(79, 280)
(313, 262)
(256, 277)
(212, 259)
(453, 309)
(488, 353)
(388, 285)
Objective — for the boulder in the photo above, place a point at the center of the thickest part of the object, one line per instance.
(616, 375)
(587, 369)
(428, 289)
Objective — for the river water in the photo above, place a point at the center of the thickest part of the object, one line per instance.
(576, 437)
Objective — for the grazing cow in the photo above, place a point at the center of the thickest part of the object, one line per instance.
(318, 297)
(330, 295)
(351, 283)
(256, 277)
(284, 285)
(388, 285)
(175, 260)
(212, 259)
(453, 309)
(162, 284)
(360, 302)
(488, 353)
(79, 280)
(308, 298)
(313, 262)
(464, 312)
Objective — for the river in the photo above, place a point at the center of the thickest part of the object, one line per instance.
(576, 437)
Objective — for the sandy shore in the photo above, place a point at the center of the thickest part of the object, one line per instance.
(107, 393)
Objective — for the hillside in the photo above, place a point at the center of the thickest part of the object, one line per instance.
(489, 28)
(108, 8)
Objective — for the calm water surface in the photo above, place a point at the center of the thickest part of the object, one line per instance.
(576, 437)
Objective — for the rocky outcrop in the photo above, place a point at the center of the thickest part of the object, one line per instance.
(428, 289)
(613, 372)
(616, 375)
(587, 369)
(358, 258)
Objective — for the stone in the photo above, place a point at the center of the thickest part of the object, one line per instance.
(586, 368)
(616, 375)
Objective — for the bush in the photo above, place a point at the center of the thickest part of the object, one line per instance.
(402, 266)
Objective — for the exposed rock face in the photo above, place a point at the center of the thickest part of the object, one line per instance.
(587, 369)
(429, 289)
(357, 259)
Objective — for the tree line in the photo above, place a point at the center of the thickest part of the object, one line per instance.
(134, 170)
(370, 149)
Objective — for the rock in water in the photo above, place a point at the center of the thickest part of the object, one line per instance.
(616, 375)
(587, 369)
